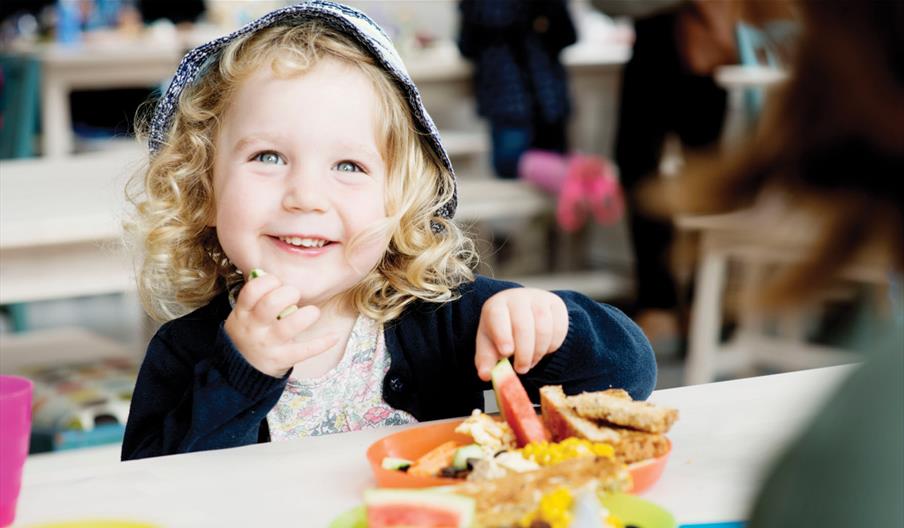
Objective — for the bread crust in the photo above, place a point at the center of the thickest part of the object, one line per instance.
(639, 415)
(563, 421)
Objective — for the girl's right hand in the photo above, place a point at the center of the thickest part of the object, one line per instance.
(263, 326)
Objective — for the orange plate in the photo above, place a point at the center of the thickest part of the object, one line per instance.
(414, 442)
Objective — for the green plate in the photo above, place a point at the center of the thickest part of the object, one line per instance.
(630, 509)
(641, 513)
(353, 518)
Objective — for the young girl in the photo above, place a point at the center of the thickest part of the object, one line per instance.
(299, 194)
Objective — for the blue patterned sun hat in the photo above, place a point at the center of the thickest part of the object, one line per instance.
(344, 19)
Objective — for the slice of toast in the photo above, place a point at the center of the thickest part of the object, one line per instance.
(634, 446)
(618, 393)
(639, 415)
(562, 422)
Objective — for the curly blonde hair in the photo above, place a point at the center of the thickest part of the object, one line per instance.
(180, 264)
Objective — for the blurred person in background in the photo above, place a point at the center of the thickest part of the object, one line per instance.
(101, 113)
(519, 81)
(667, 88)
(181, 12)
(831, 148)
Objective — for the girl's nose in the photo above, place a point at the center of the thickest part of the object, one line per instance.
(305, 192)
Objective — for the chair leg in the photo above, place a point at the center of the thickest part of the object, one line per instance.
(751, 322)
(706, 317)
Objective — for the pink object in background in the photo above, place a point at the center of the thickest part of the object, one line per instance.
(584, 184)
(602, 193)
(544, 169)
(15, 428)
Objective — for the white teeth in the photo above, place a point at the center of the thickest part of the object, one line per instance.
(304, 242)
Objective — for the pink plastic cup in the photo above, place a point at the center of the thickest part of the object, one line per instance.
(15, 428)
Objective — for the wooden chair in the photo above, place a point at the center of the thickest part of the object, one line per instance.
(725, 243)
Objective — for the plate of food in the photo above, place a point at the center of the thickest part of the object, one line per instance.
(560, 507)
(629, 435)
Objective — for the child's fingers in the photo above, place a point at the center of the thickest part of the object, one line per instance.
(298, 352)
(543, 334)
(559, 313)
(275, 303)
(295, 323)
(496, 323)
(485, 356)
(524, 333)
(254, 290)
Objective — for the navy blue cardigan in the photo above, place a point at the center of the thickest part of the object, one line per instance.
(195, 391)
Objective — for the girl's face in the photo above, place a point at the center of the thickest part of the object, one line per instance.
(297, 174)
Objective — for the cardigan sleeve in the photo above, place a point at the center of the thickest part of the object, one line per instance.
(186, 400)
(433, 375)
(603, 349)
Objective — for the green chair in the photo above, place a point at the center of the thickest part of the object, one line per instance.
(19, 105)
(19, 119)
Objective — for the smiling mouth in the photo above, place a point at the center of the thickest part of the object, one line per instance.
(306, 243)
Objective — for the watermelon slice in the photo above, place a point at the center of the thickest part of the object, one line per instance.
(388, 508)
(515, 406)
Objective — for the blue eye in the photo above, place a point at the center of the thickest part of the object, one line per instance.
(269, 157)
(348, 166)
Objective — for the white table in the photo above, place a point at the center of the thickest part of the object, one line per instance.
(725, 438)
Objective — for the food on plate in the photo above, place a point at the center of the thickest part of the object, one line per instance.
(528, 471)
(466, 455)
(515, 406)
(508, 500)
(533, 456)
(488, 432)
(549, 453)
(596, 425)
(395, 463)
(632, 444)
(561, 508)
(397, 507)
(640, 415)
(434, 460)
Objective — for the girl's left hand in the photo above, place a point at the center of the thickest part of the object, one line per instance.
(526, 323)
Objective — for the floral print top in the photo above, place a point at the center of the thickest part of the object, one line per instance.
(347, 398)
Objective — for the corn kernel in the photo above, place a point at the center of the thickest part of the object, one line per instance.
(548, 453)
(614, 521)
(554, 509)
